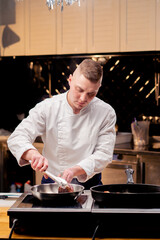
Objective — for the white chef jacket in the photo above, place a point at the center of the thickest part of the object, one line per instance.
(86, 139)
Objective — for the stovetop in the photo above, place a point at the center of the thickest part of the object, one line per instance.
(81, 218)
(84, 203)
(27, 202)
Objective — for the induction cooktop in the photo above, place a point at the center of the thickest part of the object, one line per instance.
(82, 218)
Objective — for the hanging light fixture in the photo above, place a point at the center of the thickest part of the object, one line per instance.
(52, 3)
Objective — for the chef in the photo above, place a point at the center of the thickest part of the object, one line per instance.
(77, 129)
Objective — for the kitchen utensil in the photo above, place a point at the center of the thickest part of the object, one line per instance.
(61, 182)
(8, 195)
(127, 195)
(49, 192)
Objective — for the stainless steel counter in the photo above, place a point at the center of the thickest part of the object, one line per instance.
(128, 148)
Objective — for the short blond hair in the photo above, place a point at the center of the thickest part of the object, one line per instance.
(91, 70)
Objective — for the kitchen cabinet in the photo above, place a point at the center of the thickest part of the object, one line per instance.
(40, 24)
(38, 175)
(137, 25)
(151, 169)
(92, 27)
(12, 31)
(103, 26)
(27, 28)
(147, 160)
(114, 173)
(157, 25)
(72, 28)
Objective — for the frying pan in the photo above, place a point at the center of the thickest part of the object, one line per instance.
(127, 195)
(49, 192)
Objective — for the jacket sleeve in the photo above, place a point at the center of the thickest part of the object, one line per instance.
(26, 132)
(103, 151)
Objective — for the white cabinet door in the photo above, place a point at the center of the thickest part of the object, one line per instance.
(158, 25)
(137, 30)
(103, 26)
(40, 26)
(71, 28)
(12, 32)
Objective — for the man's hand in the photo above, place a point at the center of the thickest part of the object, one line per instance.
(38, 162)
(72, 172)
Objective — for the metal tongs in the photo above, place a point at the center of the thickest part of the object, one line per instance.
(60, 181)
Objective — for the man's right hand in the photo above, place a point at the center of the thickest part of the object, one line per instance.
(38, 162)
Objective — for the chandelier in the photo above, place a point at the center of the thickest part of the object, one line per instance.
(51, 3)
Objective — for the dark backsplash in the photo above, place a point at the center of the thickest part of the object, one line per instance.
(127, 81)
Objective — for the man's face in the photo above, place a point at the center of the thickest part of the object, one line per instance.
(81, 92)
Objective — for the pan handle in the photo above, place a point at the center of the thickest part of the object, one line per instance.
(78, 194)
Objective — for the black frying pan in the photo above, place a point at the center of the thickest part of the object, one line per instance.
(127, 195)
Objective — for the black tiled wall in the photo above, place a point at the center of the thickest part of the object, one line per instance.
(126, 83)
